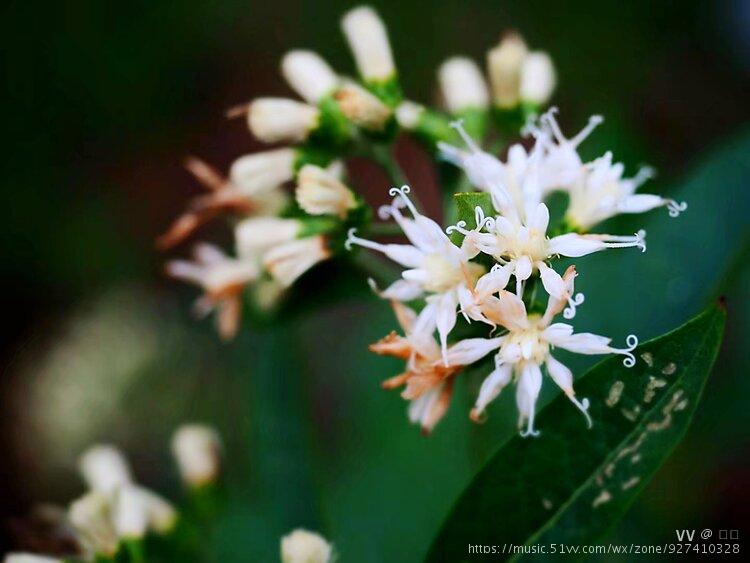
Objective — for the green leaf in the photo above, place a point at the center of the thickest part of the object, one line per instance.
(571, 484)
(466, 204)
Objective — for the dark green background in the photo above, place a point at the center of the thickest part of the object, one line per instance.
(102, 102)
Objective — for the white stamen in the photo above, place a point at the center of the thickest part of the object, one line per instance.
(458, 227)
(351, 239)
(675, 208)
(458, 125)
(583, 406)
(401, 192)
(573, 302)
(632, 342)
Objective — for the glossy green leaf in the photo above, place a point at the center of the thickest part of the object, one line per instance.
(466, 205)
(571, 484)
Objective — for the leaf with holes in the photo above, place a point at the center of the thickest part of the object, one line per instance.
(570, 484)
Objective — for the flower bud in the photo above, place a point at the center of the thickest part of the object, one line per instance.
(320, 193)
(504, 68)
(213, 270)
(361, 107)
(256, 235)
(91, 517)
(301, 546)
(290, 260)
(274, 120)
(368, 40)
(104, 468)
(262, 171)
(538, 78)
(197, 450)
(129, 514)
(462, 85)
(408, 114)
(29, 558)
(160, 513)
(308, 75)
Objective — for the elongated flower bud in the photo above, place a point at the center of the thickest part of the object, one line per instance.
(308, 75)
(91, 517)
(104, 468)
(29, 558)
(301, 546)
(197, 450)
(504, 64)
(361, 107)
(256, 235)
(463, 85)
(538, 78)
(275, 120)
(408, 114)
(320, 193)
(368, 40)
(262, 171)
(129, 514)
(290, 260)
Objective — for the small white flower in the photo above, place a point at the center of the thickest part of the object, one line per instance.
(197, 449)
(463, 85)
(308, 75)
(321, 193)
(302, 546)
(129, 513)
(408, 114)
(256, 235)
(601, 192)
(504, 63)
(362, 107)
(274, 120)
(260, 172)
(288, 261)
(30, 558)
(91, 517)
(222, 278)
(436, 266)
(537, 78)
(161, 515)
(526, 348)
(104, 468)
(368, 40)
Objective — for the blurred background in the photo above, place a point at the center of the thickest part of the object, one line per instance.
(102, 103)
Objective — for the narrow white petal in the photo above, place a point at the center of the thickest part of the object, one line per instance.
(574, 245)
(470, 350)
(491, 387)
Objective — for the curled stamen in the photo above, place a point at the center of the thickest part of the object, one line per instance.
(583, 406)
(482, 221)
(401, 193)
(631, 341)
(530, 427)
(352, 239)
(458, 227)
(573, 302)
(458, 125)
(675, 208)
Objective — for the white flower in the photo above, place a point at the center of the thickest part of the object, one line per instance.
(288, 261)
(408, 114)
(537, 78)
(223, 280)
(362, 107)
(274, 120)
(526, 348)
(30, 558)
(129, 513)
(368, 40)
(504, 64)
(436, 266)
(462, 85)
(321, 193)
(601, 192)
(260, 172)
(161, 515)
(104, 468)
(255, 235)
(308, 75)
(428, 379)
(91, 517)
(302, 546)
(197, 450)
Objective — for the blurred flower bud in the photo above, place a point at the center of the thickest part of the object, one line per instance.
(320, 193)
(255, 235)
(197, 450)
(275, 120)
(29, 558)
(290, 260)
(537, 78)
(361, 107)
(91, 517)
(462, 85)
(504, 64)
(368, 40)
(301, 546)
(160, 513)
(267, 293)
(104, 468)
(408, 114)
(263, 171)
(129, 514)
(308, 75)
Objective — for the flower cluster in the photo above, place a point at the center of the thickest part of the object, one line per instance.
(489, 272)
(118, 519)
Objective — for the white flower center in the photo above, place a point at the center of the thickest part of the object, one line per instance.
(526, 242)
(533, 347)
(442, 273)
